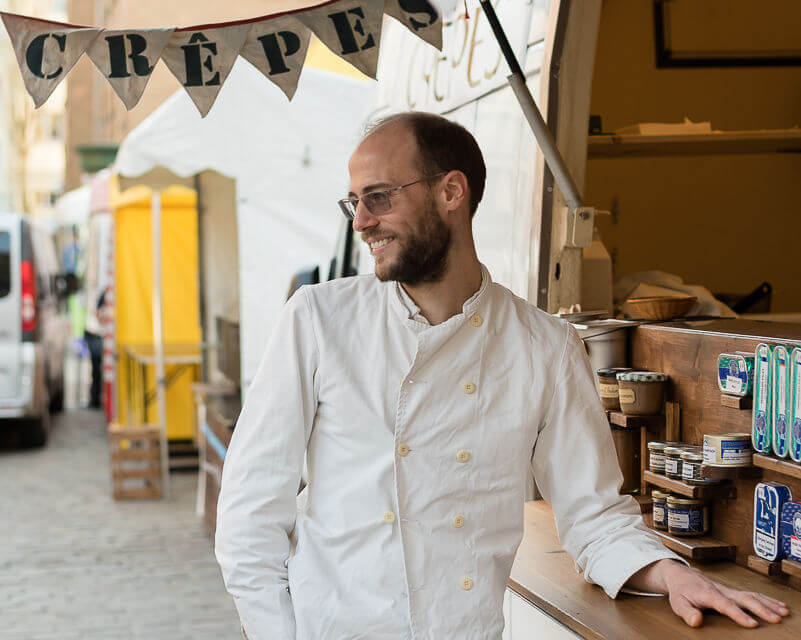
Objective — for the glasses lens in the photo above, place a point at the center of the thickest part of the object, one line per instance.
(348, 209)
(377, 202)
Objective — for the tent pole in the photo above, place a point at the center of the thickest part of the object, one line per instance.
(158, 342)
(544, 138)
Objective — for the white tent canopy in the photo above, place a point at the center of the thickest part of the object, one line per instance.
(289, 161)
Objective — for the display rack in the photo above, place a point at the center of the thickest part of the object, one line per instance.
(694, 547)
(711, 492)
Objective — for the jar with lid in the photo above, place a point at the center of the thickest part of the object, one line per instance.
(687, 517)
(641, 392)
(691, 461)
(656, 457)
(659, 499)
(673, 462)
(607, 385)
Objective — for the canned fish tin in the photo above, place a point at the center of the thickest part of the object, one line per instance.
(791, 530)
(780, 369)
(769, 498)
(795, 399)
(761, 419)
(660, 509)
(736, 373)
(687, 517)
(728, 449)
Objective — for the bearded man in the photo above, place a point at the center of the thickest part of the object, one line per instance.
(420, 398)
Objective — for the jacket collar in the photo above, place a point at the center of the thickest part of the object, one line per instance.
(409, 311)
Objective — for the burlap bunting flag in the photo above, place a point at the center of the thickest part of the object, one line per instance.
(46, 51)
(202, 57)
(127, 57)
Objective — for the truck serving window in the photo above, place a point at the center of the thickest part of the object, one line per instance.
(5, 263)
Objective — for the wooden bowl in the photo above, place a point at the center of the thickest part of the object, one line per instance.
(661, 307)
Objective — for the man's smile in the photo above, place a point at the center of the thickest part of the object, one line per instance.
(377, 245)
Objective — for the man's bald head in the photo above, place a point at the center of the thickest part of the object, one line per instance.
(442, 146)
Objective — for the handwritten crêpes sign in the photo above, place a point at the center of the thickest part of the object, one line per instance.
(201, 57)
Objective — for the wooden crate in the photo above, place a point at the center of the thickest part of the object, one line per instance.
(135, 456)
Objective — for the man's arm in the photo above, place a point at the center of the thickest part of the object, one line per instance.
(257, 505)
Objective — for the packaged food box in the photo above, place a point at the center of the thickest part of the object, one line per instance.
(791, 530)
(769, 499)
(761, 419)
(780, 372)
(795, 404)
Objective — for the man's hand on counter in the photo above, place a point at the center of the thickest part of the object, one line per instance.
(690, 592)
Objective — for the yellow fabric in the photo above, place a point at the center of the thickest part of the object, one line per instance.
(133, 295)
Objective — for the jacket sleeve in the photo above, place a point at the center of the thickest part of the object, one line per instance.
(576, 469)
(261, 475)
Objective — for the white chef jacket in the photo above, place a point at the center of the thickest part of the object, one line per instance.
(418, 441)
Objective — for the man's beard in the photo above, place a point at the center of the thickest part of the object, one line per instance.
(423, 255)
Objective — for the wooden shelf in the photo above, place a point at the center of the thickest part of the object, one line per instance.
(646, 503)
(690, 490)
(737, 402)
(787, 467)
(721, 142)
(729, 473)
(766, 568)
(620, 419)
(695, 548)
(792, 567)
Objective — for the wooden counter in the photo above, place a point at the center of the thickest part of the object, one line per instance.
(543, 574)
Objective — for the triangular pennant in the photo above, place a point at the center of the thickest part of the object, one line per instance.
(420, 17)
(278, 48)
(201, 59)
(45, 51)
(127, 57)
(351, 29)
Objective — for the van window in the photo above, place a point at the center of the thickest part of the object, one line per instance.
(5, 263)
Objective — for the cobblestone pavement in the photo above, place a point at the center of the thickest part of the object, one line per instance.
(76, 565)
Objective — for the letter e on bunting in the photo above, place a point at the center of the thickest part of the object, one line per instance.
(420, 17)
(202, 57)
(277, 47)
(127, 57)
(351, 29)
(46, 51)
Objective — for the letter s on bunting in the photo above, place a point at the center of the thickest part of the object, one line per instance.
(278, 48)
(127, 57)
(201, 59)
(45, 51)
(418, 16)
(351, 29)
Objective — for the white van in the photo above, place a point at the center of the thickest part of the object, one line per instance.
(33, 336)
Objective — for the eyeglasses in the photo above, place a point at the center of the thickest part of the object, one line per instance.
(377, 202)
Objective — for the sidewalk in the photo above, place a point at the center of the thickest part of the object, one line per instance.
(76, 565)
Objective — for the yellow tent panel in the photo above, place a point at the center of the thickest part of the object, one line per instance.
(133, 298)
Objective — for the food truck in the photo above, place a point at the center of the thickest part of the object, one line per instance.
(678, 121)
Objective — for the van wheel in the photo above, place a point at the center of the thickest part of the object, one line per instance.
(37, 430)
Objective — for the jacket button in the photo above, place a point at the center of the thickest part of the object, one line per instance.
(458, 522)
(467, 584)
(403, 449)
(476, 320)
(469, 388)
(389, 516)
(463, 455)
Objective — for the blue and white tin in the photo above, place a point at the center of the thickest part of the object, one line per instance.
(791, 530)
(780, 372)
(736, 373)
(769, 498)
(763, 392)
(795, 404)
